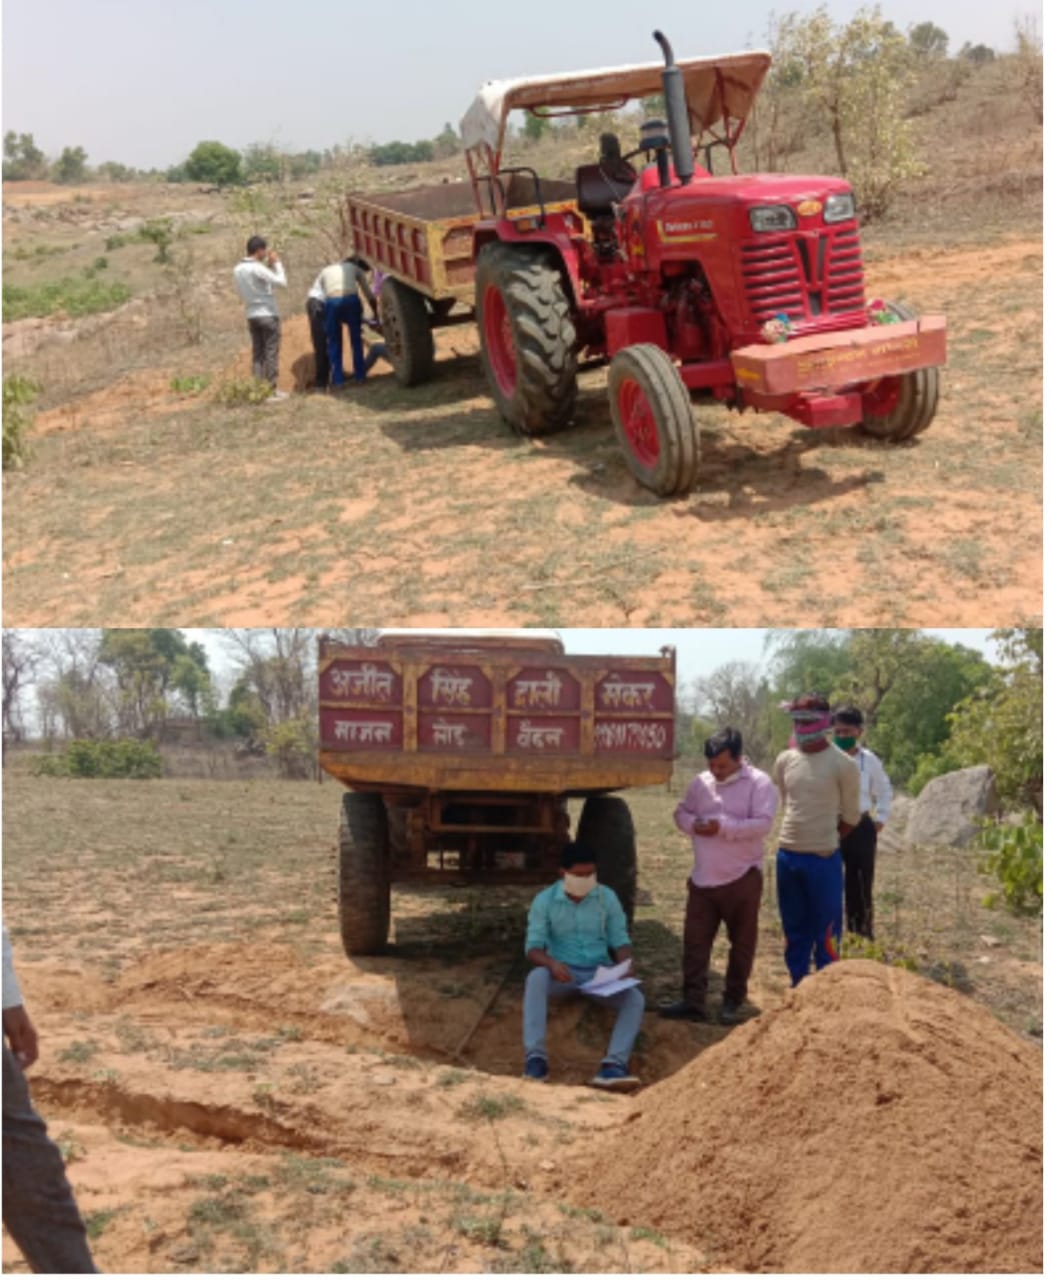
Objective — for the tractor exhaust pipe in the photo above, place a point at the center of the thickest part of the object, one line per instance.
(678, 113)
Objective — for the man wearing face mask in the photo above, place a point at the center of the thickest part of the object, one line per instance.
(820, 788)
(728, 810)
(858, 847)
(574, 926)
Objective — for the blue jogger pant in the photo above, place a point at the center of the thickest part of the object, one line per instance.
(810, 899)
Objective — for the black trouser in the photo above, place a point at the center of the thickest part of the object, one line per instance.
(39, 1209)
(266, 345)
(316, 316)
(859, 868)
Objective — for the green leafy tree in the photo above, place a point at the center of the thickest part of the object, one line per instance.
(389, 153)
(928, 41)
(1001, 723)
(22, 157)
(155, 672)
(215, 164)
(111, 171)
(262, 163)
(978, 54)
(535, 126)
(853, 81)
(71, 167)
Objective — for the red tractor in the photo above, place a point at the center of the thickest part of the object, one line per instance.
(742, 290)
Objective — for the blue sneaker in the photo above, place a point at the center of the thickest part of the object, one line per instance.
(535, 1068)
(615, 1078)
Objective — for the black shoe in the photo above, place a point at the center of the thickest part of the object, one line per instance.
(731, 1014)
(683, 1011)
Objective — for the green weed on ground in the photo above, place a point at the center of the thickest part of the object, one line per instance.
(75, 297)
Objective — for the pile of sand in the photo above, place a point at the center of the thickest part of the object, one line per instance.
(873, 1122)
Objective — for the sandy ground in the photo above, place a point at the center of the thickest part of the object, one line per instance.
(418, 506)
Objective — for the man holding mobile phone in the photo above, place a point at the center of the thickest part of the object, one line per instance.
(728, 810)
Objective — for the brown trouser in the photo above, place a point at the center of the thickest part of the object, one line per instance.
(737, 905)
(266, 343)
(39, 1209)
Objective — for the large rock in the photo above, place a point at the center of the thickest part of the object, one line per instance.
(895, 834)
(949, 809)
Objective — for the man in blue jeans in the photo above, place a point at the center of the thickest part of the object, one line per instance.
(819, 786)
(574, 926)
(340, 284)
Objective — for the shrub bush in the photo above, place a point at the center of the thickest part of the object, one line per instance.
(19, 393)
(1016, 858)
(106, 758)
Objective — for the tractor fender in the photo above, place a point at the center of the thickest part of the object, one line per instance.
(554, 239)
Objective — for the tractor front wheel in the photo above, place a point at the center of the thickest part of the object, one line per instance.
(364, 874)
(407, 332)
(527, 338)
(900, 407)
(653, 418)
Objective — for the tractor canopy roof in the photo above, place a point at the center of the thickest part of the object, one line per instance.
(719, 90)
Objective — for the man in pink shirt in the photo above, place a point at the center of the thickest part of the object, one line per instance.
(728, 810)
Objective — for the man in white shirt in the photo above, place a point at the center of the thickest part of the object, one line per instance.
(255, 276)
(39, 1209)
(341, 283)
(858, 847)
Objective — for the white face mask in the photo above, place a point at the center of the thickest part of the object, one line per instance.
(579, 886)
(722, 782)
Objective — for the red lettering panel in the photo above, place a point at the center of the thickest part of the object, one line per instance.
(543, 689)
(634, 736)
(347, 729)
(372, 683)
(543, 735)
(448, 731)
(639, 691)
(454, 687)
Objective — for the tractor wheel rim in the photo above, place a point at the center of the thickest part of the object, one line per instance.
(640, 426)
(499, 341)
(881, 398)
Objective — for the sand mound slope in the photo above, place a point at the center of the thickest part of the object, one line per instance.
(874, 1122)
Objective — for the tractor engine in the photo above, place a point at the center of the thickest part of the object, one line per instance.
(695, 330)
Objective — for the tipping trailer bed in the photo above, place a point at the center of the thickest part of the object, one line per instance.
(424, 237)
(416, 716)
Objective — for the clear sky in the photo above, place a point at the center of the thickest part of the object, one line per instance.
(698, 651)
(141, 82)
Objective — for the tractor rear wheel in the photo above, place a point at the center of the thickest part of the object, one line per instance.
(607, 829)
(364, 874)
(407, 332)
(653, 419)
(901, 407)
(527, 338)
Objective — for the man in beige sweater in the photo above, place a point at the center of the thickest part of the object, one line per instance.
(819, 786)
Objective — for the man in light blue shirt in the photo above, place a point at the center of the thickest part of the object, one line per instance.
(574, 926)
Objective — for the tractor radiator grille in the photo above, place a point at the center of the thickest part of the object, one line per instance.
(804, 277)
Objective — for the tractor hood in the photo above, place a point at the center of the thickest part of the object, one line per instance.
(719, 90)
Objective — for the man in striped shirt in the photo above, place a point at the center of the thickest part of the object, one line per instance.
(858, 847)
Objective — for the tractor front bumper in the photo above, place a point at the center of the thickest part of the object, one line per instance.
(824, 366)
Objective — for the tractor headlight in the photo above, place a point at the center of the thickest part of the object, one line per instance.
(772, 217)
(839, 208)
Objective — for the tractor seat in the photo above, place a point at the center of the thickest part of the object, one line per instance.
(597, 190)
